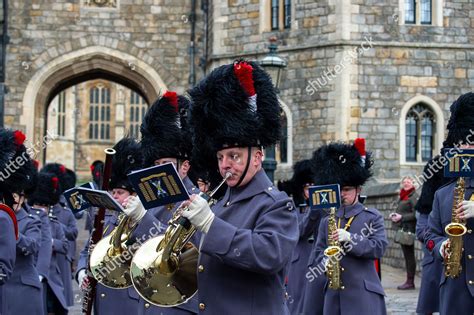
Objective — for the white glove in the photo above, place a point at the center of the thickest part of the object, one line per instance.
(467, 211)
(133, 208)
(199, 214)
(82, 274)
(343, 235)
(442, 248)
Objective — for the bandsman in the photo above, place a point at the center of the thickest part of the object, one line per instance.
(359, 230)
(459, 289)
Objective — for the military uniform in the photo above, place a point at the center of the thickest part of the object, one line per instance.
(363, 292)
(22, 292)
(8, 251)
(68, 223)
(428, 298)
(456, 295)
(244, 255)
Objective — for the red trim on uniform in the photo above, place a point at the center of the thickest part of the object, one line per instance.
(430, 245)
(12, 215)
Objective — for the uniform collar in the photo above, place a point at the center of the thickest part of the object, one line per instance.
(257, 184)
(21, 214)
(350, 211)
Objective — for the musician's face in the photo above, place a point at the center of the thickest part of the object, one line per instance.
(203, 185)
(306, 190)
(349, 195)
(120, 194)
(18, 198)
(234, 160)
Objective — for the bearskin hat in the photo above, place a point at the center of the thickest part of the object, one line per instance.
(433, 174)
(126, 159)
(97, 168)
(16, 167)
(461, 122)
(60, 171)
(234, 106)
(47, 191)
(341, 163)
(164, 129)
(70, 180)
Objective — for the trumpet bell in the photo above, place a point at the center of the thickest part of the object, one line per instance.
(165, 284)
(111, 269)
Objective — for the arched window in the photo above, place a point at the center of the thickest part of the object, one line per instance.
(99, 113)
(138, 108)
(420, 133)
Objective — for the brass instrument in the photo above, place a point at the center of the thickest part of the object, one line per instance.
(164, 268)
(455, 231)
(110, 259)
(333, 253)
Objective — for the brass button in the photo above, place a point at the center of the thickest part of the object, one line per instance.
(200, 268)
(469, 256)
(202, 306)
(469, 231)
(147, 305)
(270, 188)
(102, 295)
(471, 282)
(227, 203)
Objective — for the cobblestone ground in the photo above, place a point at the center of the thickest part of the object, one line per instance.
(398, 302)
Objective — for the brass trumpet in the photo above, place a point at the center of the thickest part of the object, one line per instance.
(164, 268)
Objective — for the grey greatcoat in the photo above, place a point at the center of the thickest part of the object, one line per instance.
(7, 251)
(456, 295)
(363, 293)
(245, 255)
(22, 292)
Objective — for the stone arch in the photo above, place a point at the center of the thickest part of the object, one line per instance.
(70, 68)
(289, 126)
(439, 116)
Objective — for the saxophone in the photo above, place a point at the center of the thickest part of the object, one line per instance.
(334, 269)
(455, 231)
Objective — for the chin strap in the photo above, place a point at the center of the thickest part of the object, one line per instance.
(246, 167)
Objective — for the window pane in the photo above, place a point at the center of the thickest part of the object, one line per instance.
(107, 133)
(287, 13)
(426, 138)
(411, 136)
(108, 95)
(96, 131)
(108, 114)
(91, 96)
(91, 134)
(410, 9)
(96, 98)
(274, 12)
(425, 9)
(132, 118)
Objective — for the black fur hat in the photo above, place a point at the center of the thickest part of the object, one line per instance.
(48, 189)
(127, 158)
(70, 180)
(433, 175)
(461, 120)
(234, 106)
(343, 164)
(163, 129)
(60, 171)
(16, 167)
(97, 168)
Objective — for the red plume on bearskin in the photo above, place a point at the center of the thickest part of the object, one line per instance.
(46, 191)
(36, 164)
(244, 73)
(172, 98)
(359, 144)
(62, 169)
(19, 137)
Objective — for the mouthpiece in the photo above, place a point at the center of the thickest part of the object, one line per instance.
(228, 175)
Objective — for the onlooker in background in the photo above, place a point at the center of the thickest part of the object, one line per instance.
(405, 221)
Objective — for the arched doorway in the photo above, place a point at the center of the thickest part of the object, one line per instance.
(95, 62)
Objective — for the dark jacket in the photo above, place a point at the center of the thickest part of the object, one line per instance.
(407, 209)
